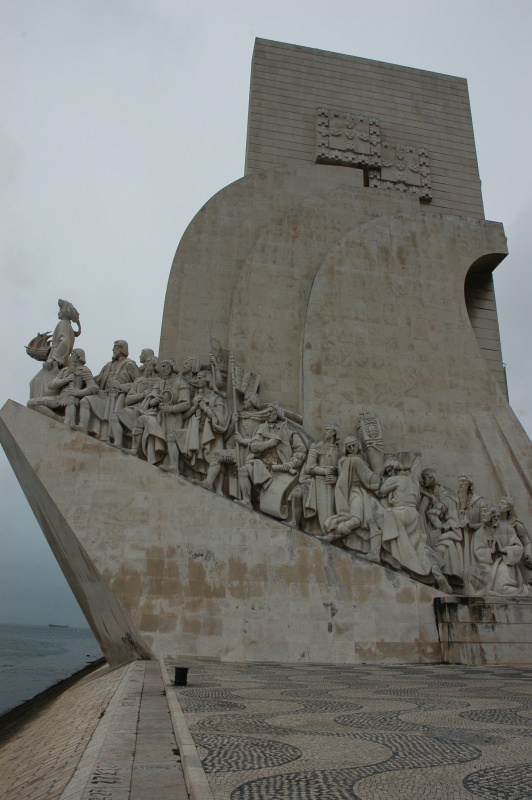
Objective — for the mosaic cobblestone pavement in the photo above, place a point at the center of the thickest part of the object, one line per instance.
(267, 732)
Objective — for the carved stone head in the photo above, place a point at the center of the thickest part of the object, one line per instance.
(204, 378)
(488, 514)
(465, 482)
(78, 356)
(351, 445)
(429, 478)
(506, 506)
(120, 348)
(166, 367)
(275, 411)
(331, 432)
(146, 354)
(67, 311)
(191, 364)
(440, 510)
(391, 466)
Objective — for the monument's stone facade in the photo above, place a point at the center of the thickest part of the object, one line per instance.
(348, 297)
(346, 283)
(196, 574)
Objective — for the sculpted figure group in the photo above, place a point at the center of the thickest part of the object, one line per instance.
(207, 424)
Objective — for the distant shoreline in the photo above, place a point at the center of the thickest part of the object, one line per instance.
(12, 720)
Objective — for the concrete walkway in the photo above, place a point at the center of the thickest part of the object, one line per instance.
(109, 736)
(269, 732)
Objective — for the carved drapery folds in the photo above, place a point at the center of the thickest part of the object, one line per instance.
(354, 140)
(208, 424)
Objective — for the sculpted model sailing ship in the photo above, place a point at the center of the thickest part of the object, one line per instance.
(325, 510)
(206, 425)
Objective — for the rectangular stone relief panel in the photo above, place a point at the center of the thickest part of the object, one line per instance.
(404, 167)
(354, 140)
(347, 138)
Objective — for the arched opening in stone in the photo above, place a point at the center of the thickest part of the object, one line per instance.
(479, 293)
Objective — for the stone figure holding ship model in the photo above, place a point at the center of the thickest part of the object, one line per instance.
(365, 501)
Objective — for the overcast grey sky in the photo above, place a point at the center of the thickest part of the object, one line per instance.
(121, 118)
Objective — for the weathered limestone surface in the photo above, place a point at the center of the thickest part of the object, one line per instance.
(289, 83)
(340, 319)
(199, 575)
(44, 476)
(351, 268)
(478, 631)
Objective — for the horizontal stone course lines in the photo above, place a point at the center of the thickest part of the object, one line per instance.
(445, 174)
(414, 107)
(270, 117)
(395, 732)
(390, 114)
(302, 137)
(275, 51)
(389, 78)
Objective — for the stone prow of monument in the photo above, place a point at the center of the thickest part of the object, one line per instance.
(351, 267)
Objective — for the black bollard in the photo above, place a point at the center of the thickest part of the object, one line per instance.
(180, 676)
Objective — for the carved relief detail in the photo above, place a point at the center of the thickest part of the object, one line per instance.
(349, 139)
(208, 424)
(354, 140)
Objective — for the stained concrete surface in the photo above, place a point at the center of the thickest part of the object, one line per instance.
(270, 732)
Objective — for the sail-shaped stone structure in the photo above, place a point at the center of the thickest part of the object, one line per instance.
(351, 267)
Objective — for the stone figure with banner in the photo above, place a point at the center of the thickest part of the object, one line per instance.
(381, 506)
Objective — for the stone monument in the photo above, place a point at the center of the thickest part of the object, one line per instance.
(336, 475)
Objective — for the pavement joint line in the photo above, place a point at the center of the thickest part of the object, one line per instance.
(80, 781)
(195, 778)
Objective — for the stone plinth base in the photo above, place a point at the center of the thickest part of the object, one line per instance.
(480, 630)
